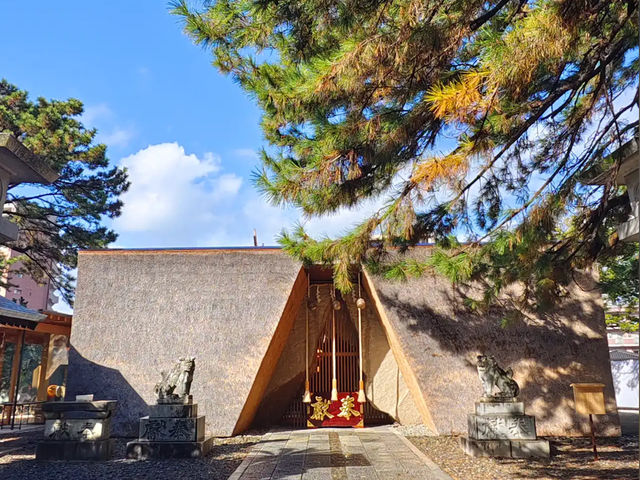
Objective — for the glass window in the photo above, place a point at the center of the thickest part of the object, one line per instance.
(30, 373)
(5, 379)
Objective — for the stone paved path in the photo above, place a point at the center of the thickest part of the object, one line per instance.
(336, 454)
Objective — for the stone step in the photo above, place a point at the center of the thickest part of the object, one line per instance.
(74, 450)
(144, 449)
(505, 448)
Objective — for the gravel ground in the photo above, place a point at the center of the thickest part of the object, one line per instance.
(17, 462)
(412, 430)
(571, 458)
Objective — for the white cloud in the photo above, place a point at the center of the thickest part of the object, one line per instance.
(116, 137)
(92, 113)
(228, 184)
(178, 199)
(248, 153)
(62, 306)
(102, 117)
(175, 198)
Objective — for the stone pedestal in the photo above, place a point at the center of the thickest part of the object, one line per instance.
(76, 431)
(172, 430)
(502, 429)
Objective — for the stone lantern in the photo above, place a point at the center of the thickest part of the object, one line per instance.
(18, 165)
(628, 175)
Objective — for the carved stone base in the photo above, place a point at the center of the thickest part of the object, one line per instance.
(74, 450)
(173, 410)
(503, 426)
(501, 429)
(492, 408)
(77, 429)
(144, 449)
(505, 448)
(172, 429)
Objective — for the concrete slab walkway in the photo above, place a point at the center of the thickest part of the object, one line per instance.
(336, 454)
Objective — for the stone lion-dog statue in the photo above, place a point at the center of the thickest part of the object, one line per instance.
(175, 385)
(491, 375)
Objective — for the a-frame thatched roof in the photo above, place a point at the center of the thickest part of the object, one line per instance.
(138, 310)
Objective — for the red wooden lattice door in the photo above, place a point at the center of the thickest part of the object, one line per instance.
(299, 414)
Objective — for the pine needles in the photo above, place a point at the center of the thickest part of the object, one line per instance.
(496, 109)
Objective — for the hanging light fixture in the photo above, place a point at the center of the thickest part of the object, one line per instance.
(306, 398)
(334, 380)
(360, 304)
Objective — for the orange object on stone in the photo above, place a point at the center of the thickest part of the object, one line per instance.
(51, 392)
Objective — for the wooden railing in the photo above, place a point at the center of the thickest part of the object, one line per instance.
(28, 413)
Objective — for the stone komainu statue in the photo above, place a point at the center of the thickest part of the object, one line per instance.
(491, 375)
(175, 385)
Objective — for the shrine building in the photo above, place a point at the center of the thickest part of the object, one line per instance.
(261, 325)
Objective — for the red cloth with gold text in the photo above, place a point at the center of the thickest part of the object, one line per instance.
(346, 412)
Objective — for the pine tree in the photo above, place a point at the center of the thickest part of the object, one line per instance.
(471, 118)
(58, 219)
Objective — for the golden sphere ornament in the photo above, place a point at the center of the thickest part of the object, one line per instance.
(360, 303)
(336, 305)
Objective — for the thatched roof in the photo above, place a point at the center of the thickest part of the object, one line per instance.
(137, 311)
(441, 338)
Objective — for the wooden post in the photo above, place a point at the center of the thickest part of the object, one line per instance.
(3, 345)
(19, 348)
(15, 363)
(44, 366)
(593, 438)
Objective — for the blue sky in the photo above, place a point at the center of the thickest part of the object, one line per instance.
(187, 134)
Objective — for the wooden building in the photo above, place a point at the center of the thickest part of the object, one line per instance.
(242, 312)
(33, 357)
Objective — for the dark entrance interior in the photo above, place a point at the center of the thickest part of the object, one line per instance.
(320, 370)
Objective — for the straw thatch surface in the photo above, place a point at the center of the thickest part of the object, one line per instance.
(441, 339)
(137, 312)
